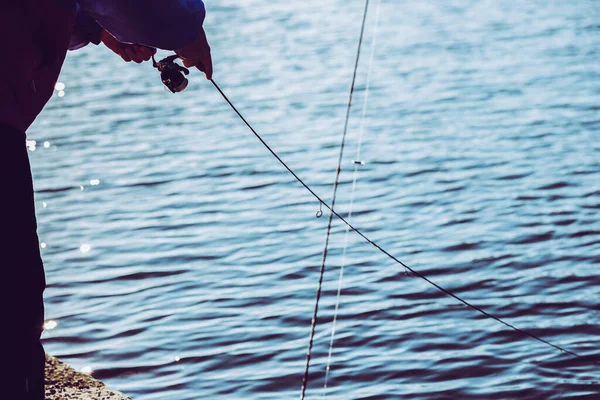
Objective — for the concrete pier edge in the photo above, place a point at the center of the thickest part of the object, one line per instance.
(65, 383)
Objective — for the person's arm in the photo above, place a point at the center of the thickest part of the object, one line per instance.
(165, 24)
(85, 31)
(128, 52)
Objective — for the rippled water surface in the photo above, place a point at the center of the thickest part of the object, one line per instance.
(182, 259)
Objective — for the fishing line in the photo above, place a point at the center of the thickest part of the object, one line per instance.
(313, 323)
(389, 255)
(356, 163)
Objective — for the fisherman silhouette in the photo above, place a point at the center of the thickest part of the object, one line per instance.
(34, 37)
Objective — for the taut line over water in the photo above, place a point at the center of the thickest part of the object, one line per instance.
(338, 170)
(389, 255)
(356, 163)
(349, 226)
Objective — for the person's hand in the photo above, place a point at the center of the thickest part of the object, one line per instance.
(128, 52)
(197, 54)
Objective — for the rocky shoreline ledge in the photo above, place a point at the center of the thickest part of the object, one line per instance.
(64, 383)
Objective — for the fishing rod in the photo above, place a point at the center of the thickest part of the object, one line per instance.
(389, 255)
(173, 77)
(338, 170)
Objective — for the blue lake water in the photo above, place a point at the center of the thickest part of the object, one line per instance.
(182, 259)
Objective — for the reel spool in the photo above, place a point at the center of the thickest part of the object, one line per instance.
(171, 73)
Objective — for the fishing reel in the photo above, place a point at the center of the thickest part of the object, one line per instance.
(171, 73)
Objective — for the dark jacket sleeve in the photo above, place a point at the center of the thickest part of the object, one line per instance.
(85, 31)
(165, 24)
